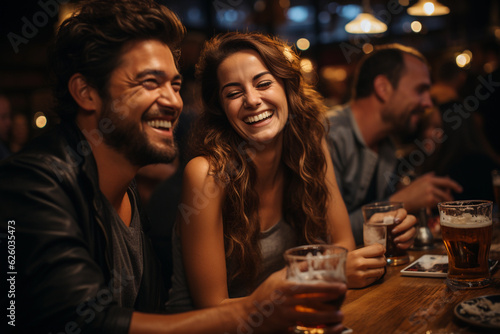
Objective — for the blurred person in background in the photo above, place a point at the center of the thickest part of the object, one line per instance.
(449, 82)
(390, 94)
(462, 156)
(489, 109)
(464, 153)
(428, 136)
(445, 92)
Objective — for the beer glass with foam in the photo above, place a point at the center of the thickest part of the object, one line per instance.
(377, 228)
(466, 228)
(315, 264)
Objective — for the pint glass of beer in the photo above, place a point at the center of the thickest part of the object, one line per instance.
(466, 228)
(379, 218)
(315, 264)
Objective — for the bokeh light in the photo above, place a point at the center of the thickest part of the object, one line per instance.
(416, 26)
(303, 44)
(40, 120)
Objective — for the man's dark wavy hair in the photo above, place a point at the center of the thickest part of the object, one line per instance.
(93, 39)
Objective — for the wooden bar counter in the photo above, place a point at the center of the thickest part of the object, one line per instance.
(402, 304)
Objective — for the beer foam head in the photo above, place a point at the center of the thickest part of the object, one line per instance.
(318, 268)
(466, 220)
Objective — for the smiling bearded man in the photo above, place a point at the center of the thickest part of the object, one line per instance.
(390, 93)
(143, 104)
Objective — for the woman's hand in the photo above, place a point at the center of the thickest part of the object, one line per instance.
(365, 265)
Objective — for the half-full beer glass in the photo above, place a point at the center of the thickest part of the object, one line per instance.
(466, 228)
(379, 218)
(315, 264)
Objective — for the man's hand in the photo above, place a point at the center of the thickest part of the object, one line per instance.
(404, 231)
(426, 191)
(276, 300)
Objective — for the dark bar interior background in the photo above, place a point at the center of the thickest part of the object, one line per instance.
(27, 28)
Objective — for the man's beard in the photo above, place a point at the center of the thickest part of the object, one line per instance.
(128, 139)
(401, 124)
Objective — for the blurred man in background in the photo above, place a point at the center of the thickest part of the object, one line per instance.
(391, 92)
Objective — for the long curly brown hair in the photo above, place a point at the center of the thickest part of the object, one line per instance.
(305, 193)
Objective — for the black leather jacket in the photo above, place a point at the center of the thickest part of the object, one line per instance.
(51, 203)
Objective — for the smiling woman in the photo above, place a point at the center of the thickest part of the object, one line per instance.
(261, 180)
(253, 99)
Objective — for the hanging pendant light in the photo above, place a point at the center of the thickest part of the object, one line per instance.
(365, 23)
(428, 8)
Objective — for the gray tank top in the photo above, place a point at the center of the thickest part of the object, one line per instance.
(273, 243)
(126, 245)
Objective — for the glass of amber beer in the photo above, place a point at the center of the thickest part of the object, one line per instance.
(380, 215)
(466, 228)
(315, 264)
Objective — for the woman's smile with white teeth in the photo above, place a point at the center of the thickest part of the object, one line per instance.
(256, 118)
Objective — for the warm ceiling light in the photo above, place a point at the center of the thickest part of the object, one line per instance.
(428, 8)
(365, 23)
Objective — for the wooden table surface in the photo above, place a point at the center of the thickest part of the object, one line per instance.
(402, 304)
